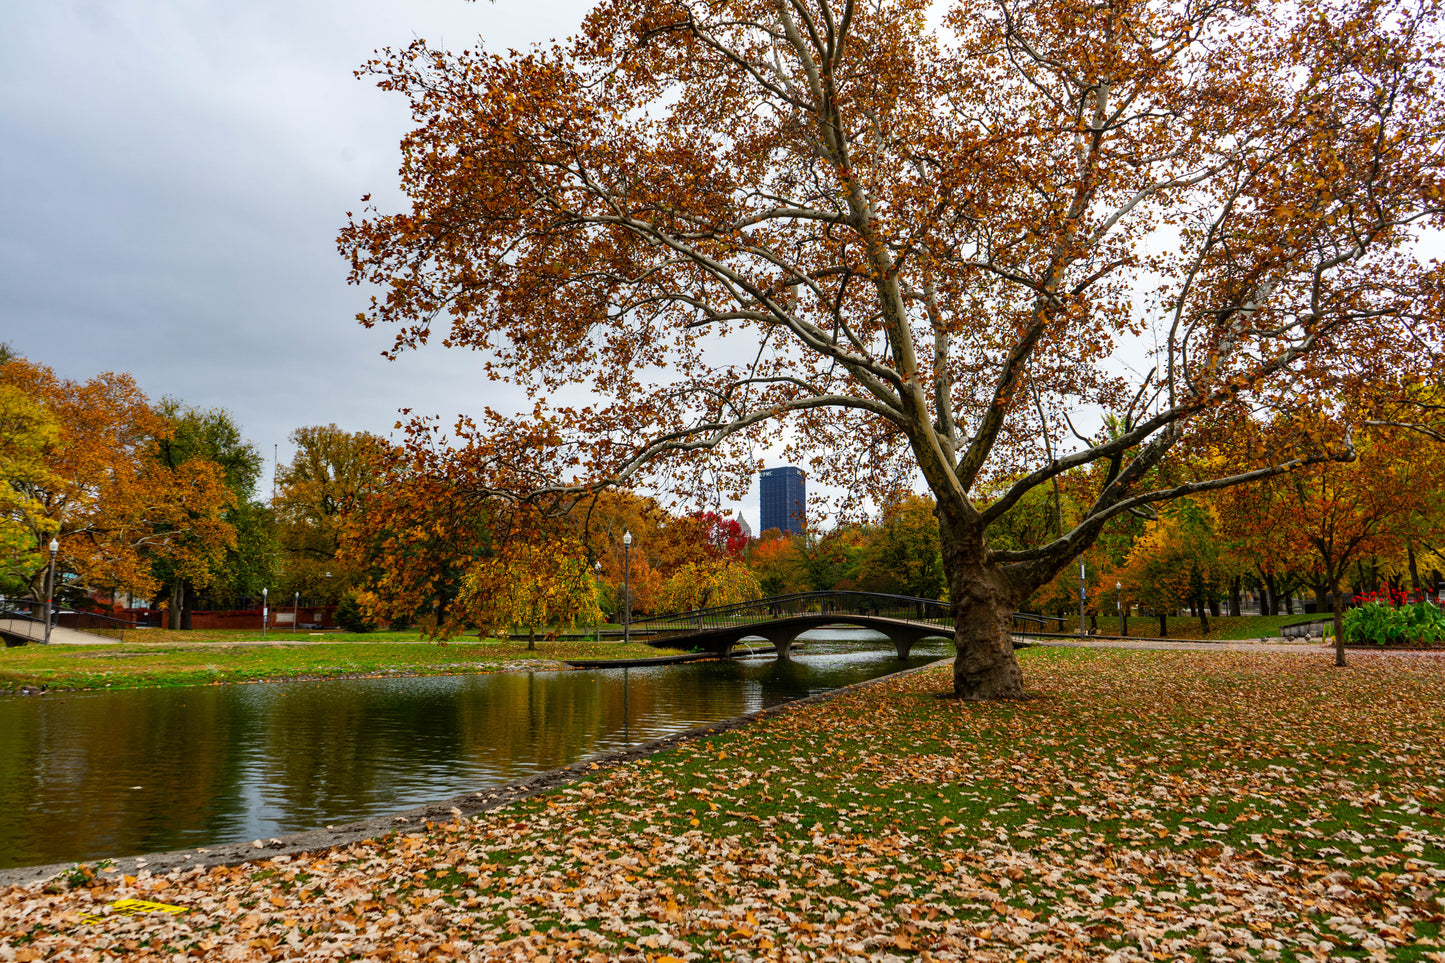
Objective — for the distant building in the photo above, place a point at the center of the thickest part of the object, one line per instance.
(783, 499)
(743, 524)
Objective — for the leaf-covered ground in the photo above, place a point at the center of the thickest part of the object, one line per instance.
(1160, 805)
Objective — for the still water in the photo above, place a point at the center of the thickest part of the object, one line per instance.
(95, 774)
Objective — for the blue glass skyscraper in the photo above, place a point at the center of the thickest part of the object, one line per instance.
(783, 499)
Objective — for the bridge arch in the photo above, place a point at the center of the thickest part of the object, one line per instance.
(781, 619)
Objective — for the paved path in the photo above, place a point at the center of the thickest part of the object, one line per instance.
(1294, 646)
(59, 635)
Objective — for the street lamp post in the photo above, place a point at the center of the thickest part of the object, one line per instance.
(626, 587)
(1082, 591)
(265, 610)
(50, 588)
(597, 626)
(295, 610)
(1119, 605)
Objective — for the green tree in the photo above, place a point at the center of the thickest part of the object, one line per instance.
(331, 472)
(902, 555)
(192, 434)
(27, 431)
(352, 616)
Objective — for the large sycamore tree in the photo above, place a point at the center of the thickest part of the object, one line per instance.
(917, 241)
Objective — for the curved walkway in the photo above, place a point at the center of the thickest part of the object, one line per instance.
(32, 631)
(1236, 645)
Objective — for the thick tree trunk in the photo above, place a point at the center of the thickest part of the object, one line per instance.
(188, 601)
(1124, 621)
(173, 615)
(1234, 592)
(984, 602)
(1414, 567)
(531, 638)
(983, 608)
(1163, 624)
(1203, 611)
(1322, 597)
(1270, 596)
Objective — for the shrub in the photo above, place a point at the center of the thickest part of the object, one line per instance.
(1392, 618)
(351, 617)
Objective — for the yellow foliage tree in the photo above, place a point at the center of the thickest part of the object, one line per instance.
(27, 431)
(702, 585)
(529, 584)
(1177, 562)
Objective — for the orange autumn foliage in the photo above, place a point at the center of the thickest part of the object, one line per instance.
(913, 241)
(106, 498)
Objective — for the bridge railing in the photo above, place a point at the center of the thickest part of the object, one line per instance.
(903, 607)
(92, 622)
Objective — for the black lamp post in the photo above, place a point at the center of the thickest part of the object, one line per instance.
(626, 588)
(597, 626)
(50, 588)
(265, 610)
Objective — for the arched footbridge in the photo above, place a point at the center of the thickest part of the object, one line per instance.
(780, 619)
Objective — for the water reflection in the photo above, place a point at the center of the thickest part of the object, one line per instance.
(114, 773)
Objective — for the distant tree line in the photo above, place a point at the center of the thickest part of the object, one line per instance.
(160, 502)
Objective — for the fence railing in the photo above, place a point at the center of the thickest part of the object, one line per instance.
(92, 622)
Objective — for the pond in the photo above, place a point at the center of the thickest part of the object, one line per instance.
(96, 774)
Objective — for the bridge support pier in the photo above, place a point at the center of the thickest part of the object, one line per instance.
(905, 639)
(781, 637)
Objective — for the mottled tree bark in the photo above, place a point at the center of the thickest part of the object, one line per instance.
(984, 601)
(985, 667)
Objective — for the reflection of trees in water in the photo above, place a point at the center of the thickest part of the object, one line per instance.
(327, 747)
(96, 774)
(785, 679)
(220, 763)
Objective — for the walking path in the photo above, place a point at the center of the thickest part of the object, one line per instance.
(59, 635)
(1300, 646)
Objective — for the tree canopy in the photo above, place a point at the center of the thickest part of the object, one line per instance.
(104, 494)
(909, 248)
(331, 471)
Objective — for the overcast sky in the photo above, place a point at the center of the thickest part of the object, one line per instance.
(173, 174)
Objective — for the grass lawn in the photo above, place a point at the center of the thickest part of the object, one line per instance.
(1221, 628)
(1154, 805)
(199, 658)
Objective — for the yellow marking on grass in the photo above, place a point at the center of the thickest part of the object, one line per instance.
(135, 907)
